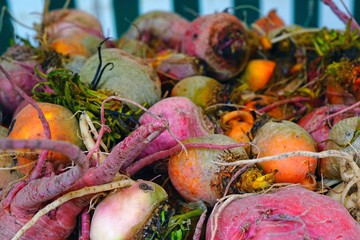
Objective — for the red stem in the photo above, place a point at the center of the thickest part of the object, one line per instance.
(37, 170)
(146, 161)
(31, 196)
(345, 109)
(31, 101)
(85, 224)
(199, 226)
(282, 102)
(341, 15)
(124, 152)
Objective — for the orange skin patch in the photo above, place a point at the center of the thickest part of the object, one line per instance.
(191, 176)
(63, 126)
(292, 169)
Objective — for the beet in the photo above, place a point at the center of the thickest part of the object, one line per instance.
(289, 213)
(185, 120)
(343, 136)
(203, 91)
(220, 39)
(196, 175)
(130, 77)
(159, 29)
(314, 122)
(71, 32)
(19, 62)
(124, 214)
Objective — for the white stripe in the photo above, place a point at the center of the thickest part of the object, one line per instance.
(284, 8)
(102, 10)
(27, 12)
(211, 6)
(328, 19)
(150, 5)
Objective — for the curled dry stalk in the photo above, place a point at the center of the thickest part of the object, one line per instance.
(89, 135)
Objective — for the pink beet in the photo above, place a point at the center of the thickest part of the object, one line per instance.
(220, 39)
(19, 62)
(159, 29)
(289, 213)
(185, 120)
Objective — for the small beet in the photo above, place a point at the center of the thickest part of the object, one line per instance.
(125, 214)
(203, 91)
(277, 137)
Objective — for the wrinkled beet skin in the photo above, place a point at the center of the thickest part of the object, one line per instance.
(290, 213)
(220, 40)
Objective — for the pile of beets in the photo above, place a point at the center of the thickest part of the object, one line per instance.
(214, 128)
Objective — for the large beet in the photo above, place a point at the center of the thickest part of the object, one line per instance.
(130, 77)
(290, 213)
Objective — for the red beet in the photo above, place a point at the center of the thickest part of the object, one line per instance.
(72, 32)
(220, 39)
(185, 120)
(19, 62)
(289, 213)
(314, 122)
(159, 29)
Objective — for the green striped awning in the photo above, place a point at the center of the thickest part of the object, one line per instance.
(117, 14)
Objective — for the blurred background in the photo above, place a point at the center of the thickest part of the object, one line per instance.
(18, 16)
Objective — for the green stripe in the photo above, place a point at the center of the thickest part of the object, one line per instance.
(306, 12)
(247, 10)
(7, 31)
(125, 13)
(60, 4)
(189, 9)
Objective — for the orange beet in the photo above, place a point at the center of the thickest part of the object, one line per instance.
(238, 125)
(196, 176)
(63, 126)
(277, 137)
(258, 73)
